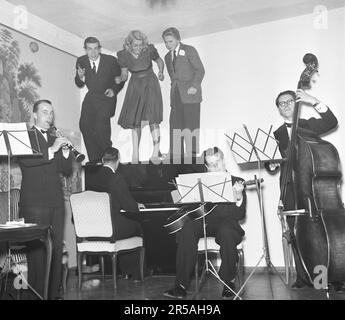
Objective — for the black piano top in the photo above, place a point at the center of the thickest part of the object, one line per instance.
(148, 182)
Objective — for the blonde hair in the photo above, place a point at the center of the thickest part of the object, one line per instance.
(135, 35)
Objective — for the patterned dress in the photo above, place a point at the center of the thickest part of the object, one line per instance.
(143, 101)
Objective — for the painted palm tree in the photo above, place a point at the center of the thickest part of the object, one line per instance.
(9, 50)
(5, 37)
(13, 56)
(25, 79)
(28, 81)
(19, 82)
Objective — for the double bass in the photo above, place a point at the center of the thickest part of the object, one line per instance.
(313, 167)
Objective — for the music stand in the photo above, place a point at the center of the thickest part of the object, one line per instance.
(208, 266)
(248, 151)
(15, 142)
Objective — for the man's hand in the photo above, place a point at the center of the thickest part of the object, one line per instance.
(302, 96)
(109, 93)
(60, 142)
(273, 166)
(192, 90)
(81, 72)
(238, 187)
(141, 206)
(160, 76)
(118, 80)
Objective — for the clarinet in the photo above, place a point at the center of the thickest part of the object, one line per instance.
(79, 157)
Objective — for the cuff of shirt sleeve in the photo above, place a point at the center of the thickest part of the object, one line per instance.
(321, 107)
(239, 202)
(50, 154)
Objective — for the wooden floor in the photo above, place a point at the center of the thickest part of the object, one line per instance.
(261, 286)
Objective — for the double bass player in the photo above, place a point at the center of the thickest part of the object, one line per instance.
(326, 122)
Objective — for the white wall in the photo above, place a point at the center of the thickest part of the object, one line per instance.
(18, 18)
(245, 70)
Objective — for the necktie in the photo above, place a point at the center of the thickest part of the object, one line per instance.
(94, 67)
(289, 125)
(174, 59)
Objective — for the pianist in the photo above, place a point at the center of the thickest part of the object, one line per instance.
(223, 224)
(111, 181)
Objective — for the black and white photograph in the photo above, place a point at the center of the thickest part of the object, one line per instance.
(180, 152)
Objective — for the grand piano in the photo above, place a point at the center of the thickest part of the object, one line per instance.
(151, 184)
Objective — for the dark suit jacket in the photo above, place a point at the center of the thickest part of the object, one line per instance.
(115, 184)
(189, 72)
(319, 126)
(121, 199)
(104, 79)
(327, 122)
(41, 183)
(231, 212)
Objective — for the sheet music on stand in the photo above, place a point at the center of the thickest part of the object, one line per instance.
(242, 146)
(216, 187)
(251, 152)
(18, 139)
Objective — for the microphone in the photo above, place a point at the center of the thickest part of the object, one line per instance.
(79, 157)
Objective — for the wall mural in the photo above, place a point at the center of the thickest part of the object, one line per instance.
(30, 70)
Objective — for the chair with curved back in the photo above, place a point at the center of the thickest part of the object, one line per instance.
(91, 212)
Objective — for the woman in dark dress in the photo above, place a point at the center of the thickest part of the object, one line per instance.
(143, 101)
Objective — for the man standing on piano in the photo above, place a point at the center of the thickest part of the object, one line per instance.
(223, 224)
(97, 71)
(112, 182)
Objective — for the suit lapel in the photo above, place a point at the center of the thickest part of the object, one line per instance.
(169, 63)
(283, 136)
(87, 64)
(100, 65)
(178, 58)
(43, 145)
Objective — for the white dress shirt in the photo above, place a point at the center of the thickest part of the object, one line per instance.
(65, 152)
(320, 108)
(108, 166)
(177, 49)
(96, 62)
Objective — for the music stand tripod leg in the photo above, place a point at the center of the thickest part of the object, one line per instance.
(269, 264)
(200, 283)
(208, 263)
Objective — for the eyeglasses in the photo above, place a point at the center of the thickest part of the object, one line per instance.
(286, 103)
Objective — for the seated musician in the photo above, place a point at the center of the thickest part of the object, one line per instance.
(285, 103)
(111, 181)
(223, 224)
